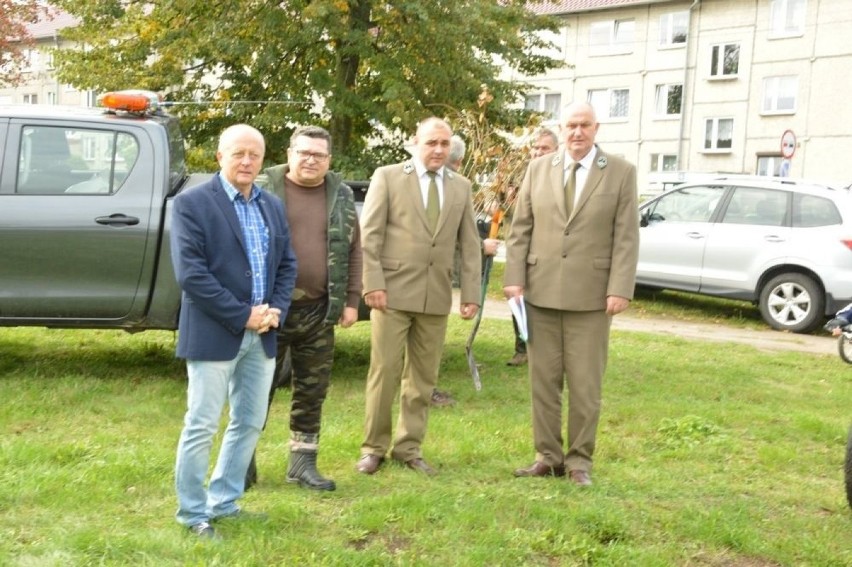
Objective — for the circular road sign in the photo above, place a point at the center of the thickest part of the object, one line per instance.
(788, 144)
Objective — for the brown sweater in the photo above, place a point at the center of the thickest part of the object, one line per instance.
(307, 215)
(308, 218)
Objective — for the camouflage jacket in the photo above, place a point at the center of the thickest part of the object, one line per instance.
(342, 223)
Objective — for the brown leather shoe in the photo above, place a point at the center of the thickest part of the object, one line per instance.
(540, 469)
(519, 359)
(580, 478)
(420, 465)
(369, 464)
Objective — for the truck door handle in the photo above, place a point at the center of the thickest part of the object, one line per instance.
(117, 219)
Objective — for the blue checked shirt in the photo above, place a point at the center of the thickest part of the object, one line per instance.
(255, 236)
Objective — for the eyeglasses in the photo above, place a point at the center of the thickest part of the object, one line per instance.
(306, 155)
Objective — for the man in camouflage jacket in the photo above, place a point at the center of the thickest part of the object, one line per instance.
(327, 243)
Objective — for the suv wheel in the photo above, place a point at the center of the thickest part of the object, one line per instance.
(792, 302)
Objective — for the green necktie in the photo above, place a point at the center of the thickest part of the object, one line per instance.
(571, 188)
(433, 203)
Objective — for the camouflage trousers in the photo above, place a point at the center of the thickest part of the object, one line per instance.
(311, 344)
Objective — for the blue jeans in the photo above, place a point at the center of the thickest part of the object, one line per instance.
(244, 382)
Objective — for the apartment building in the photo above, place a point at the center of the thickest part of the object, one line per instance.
(40, 85)
(708, 85)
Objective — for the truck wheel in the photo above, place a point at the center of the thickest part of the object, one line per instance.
(792, 302)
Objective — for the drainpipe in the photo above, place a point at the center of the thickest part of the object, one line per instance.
(683, 91)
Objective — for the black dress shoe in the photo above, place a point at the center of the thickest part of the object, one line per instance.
(420, 465)
(540, 469)
(369, 464)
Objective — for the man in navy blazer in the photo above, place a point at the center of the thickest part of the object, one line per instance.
(232, 257)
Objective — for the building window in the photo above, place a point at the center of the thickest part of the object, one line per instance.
(770, 165)
(32, 60)
(718, 134)
(668, 100)
(787, 18)
(548, 104)
(779, 94)
(611, 37)
(51, 97)
(610, 103)
(724, 60)
(673, 28)
(663, 162)
(30, 99)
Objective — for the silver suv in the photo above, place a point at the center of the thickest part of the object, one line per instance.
(784, 245)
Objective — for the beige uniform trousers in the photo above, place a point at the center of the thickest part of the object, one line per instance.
(405, 351)
(566, 348)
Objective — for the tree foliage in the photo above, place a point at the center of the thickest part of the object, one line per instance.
(365, 69)
(15, 15)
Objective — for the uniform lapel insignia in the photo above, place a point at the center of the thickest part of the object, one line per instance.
(557, 159)
(601, 162)
(408, 168)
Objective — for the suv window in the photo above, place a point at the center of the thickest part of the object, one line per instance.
(64, 160)
(810, 211)
(764, 207)
(690, 204)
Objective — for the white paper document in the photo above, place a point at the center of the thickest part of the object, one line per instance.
(519, 312)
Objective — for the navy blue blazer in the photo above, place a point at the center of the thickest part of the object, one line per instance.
(213, 270)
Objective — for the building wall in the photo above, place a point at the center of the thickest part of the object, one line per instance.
(813, 63)
(38, 78)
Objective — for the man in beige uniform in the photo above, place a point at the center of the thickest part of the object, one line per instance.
(415, 214)
(572, 254)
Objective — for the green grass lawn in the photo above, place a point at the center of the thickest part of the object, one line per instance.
(708, 455)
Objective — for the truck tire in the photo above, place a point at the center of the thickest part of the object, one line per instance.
(792, 302)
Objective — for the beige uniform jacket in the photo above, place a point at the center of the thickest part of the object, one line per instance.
(403, 257)
(574, 264)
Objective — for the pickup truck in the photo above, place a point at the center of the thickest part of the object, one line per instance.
(85, 204)
(85, 199)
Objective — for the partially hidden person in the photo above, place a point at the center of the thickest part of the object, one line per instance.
(327, 242)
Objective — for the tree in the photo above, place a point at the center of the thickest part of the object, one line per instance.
(15, 15)
(365, 69)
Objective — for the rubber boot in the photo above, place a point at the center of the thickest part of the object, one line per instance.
(303, 462)
(303, 470)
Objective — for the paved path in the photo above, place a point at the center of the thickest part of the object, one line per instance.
(767, 340)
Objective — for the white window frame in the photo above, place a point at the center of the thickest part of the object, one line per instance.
(661, 97)
(780, 88)
(603, 106)
(619, 37)
(548, 103)
(787, 18)
(30, 98)
(670, 25)
(714, 125)
(721, 49)
(658, 163)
